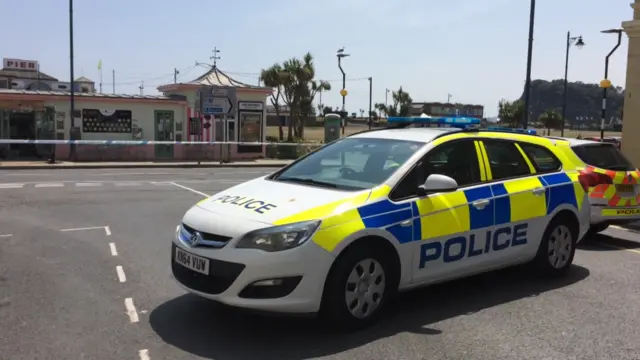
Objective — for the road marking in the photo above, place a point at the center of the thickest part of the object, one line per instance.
(617, 247)
(190, 189)
(5, 235)
(131, 310)
(113, 249)
(88, 184)
(121, 276)
(140, 173)
(106, 229)
(49, 185)
(128, 184)
(144, 354)
(11, 186)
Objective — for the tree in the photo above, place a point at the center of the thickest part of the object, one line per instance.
(272, 77)
(550, 119)
(511, 112)
(361, 112)
(326, 110)
(299, 91)
(401, 104)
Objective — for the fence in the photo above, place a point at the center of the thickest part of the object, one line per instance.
(126, 150)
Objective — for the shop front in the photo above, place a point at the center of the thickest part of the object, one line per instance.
(26, 120)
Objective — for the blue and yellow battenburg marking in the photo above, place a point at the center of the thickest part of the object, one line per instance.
(443, 214)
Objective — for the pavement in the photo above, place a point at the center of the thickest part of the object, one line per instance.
(84, 274)
(66, 165)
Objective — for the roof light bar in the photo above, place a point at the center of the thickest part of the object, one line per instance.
(511, 130)
(457, 122)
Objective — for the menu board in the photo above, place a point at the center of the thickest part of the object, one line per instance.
(106, 121)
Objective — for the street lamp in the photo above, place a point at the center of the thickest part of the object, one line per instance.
(343, 92)
(579, 44)
(527, 86)
(605, 84)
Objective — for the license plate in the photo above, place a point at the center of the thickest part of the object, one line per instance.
(192, 262)
(626, 188)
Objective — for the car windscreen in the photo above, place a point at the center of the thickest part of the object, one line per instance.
(351, 163)
(604, 156)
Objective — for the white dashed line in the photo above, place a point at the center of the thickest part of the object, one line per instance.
(88, 184)
(144, 354)
(131, 310)
(190, 189)
(106, 229)
(11, 186)
(5, 235)
(128, 184)
(121, 276)
(49, 185)
(114, 251)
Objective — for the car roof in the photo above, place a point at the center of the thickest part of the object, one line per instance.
(423, 135)
(574, 142)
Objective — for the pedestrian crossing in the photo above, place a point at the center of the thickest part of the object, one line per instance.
(111, 184)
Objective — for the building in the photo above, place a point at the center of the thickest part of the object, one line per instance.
(36, 106)
(631, 128)
(437, 109)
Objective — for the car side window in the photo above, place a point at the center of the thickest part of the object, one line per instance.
(457, 160)
(505, 159)
(543, 159)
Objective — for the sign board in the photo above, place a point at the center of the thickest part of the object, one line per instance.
(217, 100)
(251, 105)
(19, 64)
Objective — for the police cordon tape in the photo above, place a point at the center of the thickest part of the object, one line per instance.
(149, 142)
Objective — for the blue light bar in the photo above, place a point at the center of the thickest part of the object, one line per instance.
(511, 130)
(458, 122)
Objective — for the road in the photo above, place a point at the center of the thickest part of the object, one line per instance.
(84, 274)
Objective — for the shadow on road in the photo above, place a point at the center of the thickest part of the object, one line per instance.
(606, 242)
(209, 330)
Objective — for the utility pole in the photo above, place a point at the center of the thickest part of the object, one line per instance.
(72, 103)
(527, 86)
(449, 98)
(215, 56)
(141, 87)
(370, 99)
(113, 81)
(175, 75)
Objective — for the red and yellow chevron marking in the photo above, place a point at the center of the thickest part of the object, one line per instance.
(608, 191)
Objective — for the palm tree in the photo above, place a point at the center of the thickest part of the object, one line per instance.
(272, 77)
(401, 104)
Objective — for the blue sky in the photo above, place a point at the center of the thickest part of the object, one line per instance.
(475, 50)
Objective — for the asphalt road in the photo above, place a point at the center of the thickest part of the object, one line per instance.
(84, 274)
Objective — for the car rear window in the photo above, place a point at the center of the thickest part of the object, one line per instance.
(603, 155)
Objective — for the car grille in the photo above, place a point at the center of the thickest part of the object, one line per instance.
(221, 275)
(208, 240)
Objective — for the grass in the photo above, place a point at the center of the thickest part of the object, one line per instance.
(316, 134)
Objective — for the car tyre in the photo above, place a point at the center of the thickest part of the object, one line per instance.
(357, 288)
(557, 247)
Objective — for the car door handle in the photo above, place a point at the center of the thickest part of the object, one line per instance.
(538, 191)
(406, 223)
(480, 204)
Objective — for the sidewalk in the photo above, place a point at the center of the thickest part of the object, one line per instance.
(41, 165)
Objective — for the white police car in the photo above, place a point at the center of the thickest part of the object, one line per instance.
(340, 230)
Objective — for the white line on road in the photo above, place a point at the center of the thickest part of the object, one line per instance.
(144, 354)
(611, 246)
(11, 186)
(49, 185)
(140, 173)
(190, 189)
(5, 235)
(113, 249)
(106, 229)
(128, 184)
(121, 276)
(87, 184)
(131, 310)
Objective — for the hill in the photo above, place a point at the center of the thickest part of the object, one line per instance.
(583, 100)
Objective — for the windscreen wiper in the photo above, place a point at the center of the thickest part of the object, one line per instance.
(308, 181)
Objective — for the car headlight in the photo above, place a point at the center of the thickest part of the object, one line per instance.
(279, 238)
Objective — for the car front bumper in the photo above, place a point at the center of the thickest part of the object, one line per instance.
(290, 281)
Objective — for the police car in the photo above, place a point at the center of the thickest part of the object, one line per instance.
(342, 229)
(612, 181)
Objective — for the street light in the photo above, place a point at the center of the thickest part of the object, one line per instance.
(343, 92)
(579, 43)
(605, 84)
(527, 86)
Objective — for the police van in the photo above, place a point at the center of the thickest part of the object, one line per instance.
(339, 231)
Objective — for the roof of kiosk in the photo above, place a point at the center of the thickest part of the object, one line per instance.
(215, 77)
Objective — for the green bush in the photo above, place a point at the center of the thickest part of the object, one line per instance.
(289, 152)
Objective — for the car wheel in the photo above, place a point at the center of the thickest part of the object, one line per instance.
(357, 288)
(557, 248)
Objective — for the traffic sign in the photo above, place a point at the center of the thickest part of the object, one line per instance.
(218, 100)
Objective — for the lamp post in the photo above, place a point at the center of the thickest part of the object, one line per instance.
(343, 92)
(527, 86)
(605, 84)
(579, 44)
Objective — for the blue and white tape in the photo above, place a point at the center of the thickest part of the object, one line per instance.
(147, 142)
